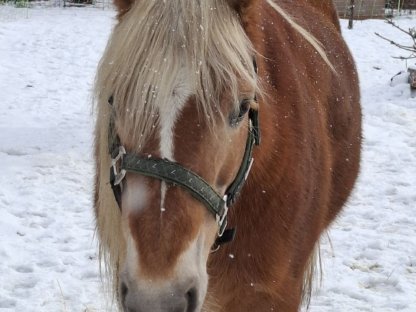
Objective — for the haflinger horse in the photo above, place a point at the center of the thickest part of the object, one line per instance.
(188, 94)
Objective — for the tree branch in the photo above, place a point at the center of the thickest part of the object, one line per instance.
(411, 48)
(403, 47)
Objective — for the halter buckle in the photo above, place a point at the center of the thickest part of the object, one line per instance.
(222, 220)
(118, 176)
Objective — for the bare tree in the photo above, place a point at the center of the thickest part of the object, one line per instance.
(411, 32)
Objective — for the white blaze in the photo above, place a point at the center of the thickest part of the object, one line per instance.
(169, 113)
(135, 196)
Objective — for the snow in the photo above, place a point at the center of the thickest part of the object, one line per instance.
(48, 254)
(48, 259)
(371, 263)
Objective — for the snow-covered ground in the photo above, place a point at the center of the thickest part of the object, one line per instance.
(48, 258)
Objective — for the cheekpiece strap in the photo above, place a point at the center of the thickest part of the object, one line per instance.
(253, 138)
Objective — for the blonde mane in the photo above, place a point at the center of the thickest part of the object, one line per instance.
(159, 43)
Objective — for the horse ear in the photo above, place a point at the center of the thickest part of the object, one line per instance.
(239, 5)
(123, 6)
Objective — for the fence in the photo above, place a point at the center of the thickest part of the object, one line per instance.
(402, 4)
(11, 10)
(363, 8)
(56, 3)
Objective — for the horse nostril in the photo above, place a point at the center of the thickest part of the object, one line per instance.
(192, 299)
(123, 291)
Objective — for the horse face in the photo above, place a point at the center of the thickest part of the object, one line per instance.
(169, 233)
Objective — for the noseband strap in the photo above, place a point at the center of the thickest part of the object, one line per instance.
(175, 174)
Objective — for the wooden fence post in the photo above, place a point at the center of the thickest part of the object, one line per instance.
(351, 13)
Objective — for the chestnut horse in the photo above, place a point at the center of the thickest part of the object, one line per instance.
(184, 92)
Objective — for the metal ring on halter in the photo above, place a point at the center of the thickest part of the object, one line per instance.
(222, 220)
(119, 176)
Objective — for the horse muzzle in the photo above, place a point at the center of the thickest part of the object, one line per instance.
(185, 297)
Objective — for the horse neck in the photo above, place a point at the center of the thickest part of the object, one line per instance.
(278, 158)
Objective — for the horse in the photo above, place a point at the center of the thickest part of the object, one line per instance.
(227, 140)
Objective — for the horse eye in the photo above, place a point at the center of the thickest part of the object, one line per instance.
(244, 108)
(236, 117)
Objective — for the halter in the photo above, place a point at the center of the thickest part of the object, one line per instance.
(175, 174)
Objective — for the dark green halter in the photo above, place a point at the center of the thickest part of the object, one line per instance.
(175, 174)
